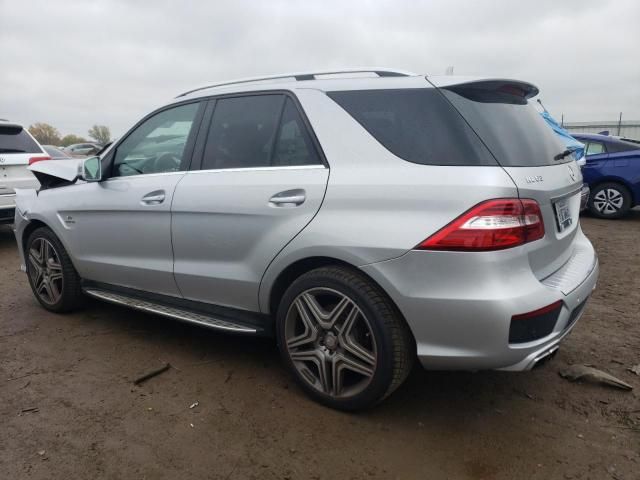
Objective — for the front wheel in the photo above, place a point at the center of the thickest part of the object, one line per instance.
(609, 200)
(53, 279)
(343, 339)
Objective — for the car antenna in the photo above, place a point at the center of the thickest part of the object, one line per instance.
(541, 104)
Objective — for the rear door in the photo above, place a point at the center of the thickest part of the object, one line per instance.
(532, 154)
(260, 181)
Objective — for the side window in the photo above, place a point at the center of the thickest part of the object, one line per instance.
(242, 132)
(594, 148)
(157, 145)
(294, 146)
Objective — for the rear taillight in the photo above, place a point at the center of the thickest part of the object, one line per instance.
(33, 160)
(490, 225)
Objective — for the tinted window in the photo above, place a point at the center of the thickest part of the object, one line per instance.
(294, 146)
(617, 147)
(156, 145)
(242, 132)
(510, 126)
(417, 125)
(595, 148)
(14, 139)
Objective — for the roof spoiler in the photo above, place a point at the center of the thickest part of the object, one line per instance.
(489, 90)
(12, 126)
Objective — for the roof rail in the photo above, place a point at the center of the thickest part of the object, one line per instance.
(300, 76)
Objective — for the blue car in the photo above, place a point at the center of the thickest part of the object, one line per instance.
(612, 171)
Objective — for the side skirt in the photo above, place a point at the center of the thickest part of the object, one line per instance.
(212, 316)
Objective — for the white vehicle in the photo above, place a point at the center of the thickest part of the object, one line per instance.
(18, 150)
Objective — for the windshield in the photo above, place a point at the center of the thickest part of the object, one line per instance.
(509, 125)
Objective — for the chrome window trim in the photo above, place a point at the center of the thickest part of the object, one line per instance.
(145, 175)
(259, 169)
(215, 170)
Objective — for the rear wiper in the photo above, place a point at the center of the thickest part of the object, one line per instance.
(560, 156)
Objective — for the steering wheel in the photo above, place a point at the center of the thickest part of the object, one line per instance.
(167, 162)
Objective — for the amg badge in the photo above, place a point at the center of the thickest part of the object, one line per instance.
(534, 179)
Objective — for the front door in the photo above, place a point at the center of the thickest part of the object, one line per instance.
(119, 230)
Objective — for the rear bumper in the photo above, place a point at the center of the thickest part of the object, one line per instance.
(459, 305)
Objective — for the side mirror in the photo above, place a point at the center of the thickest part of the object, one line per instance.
(91, 169)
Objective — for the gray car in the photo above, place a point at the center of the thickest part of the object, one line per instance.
(362, 219)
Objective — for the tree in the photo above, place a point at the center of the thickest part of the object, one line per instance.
(45, 133)
(100, 134)
(71, 139)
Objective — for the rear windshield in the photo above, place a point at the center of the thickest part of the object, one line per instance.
(417, 125)
(510, 126)
(16, 140)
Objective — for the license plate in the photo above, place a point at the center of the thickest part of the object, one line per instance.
(563, 214)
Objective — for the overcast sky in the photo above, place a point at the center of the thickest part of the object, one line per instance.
(76, 63)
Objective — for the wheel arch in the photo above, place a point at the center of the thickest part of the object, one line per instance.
(301, 266)
(34, 224)
(29, 229)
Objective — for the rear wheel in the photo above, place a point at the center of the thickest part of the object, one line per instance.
(609, 200)
(343, 339)
(52, 277)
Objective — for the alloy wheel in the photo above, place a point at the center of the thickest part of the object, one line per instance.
(608, 201)
(330, 342)
(45, 271)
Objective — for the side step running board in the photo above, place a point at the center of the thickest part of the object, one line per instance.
(170, 311)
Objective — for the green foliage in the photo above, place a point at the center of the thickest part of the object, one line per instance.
(70, 139)
(100, 133)
(45, 133)
(49, 135)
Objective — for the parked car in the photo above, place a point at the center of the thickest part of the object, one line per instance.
(83, 149)
(56, 153)
(362, 221)
(572, 147)
(18, 149)
(612, 171)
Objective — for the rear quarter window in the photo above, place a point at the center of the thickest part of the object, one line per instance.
(15, 139)
(417, 125)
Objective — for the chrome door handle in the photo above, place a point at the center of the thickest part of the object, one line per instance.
(153, 198)
(289, 198)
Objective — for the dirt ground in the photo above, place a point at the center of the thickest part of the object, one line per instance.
(251, 421)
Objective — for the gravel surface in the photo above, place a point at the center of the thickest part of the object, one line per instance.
(69, 409)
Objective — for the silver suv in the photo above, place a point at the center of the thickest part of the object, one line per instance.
(362, 219)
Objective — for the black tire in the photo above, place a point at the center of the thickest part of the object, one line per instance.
(394, 350)
(68, 287)
(609, 200)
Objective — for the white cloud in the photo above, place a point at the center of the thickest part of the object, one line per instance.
(76, 63)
